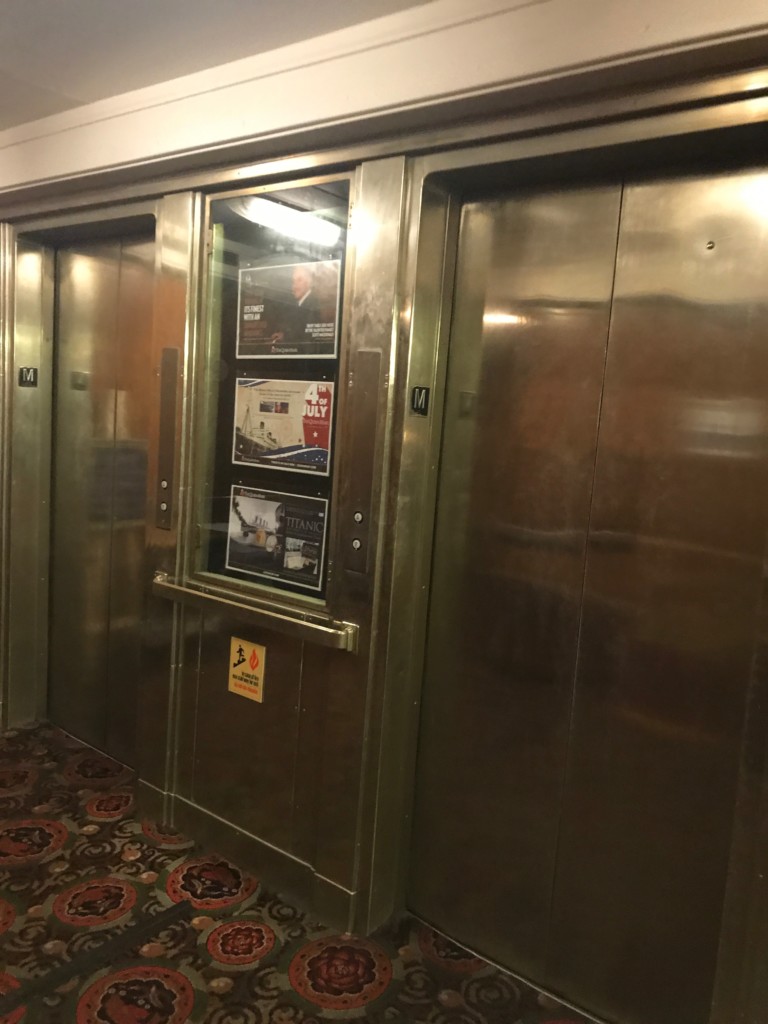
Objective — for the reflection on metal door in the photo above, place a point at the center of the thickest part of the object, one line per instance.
(595, 591)
(525, 372)
(103, 334)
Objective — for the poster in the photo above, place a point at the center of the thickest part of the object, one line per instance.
(289, 310)
(283, 424)
(277, 536)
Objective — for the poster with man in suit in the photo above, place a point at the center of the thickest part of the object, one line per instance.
(290, 309)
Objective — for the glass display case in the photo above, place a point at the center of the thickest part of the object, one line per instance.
(273, 320)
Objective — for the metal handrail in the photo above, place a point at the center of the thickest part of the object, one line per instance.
(339, 636)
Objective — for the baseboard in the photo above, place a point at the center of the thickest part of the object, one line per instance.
(334, 905)
(278, 870)
(152, 803)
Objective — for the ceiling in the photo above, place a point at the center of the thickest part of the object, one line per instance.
(60, 54)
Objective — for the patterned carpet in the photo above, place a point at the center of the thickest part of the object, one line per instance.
(108, 920)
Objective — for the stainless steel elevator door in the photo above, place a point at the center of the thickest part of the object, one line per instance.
(528, 339)
(596, 589)
(672, 592)
(103, 359)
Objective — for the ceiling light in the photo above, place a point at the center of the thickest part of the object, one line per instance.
(299, 224)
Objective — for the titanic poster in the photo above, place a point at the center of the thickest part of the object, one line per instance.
(277, 536)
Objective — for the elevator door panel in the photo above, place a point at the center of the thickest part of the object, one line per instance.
(103, 332)
(525, 373)
(674, 566)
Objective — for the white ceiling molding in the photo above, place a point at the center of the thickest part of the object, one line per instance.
(70, 52)
(415, 58)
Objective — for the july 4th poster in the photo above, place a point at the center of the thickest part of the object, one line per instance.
(283, 424)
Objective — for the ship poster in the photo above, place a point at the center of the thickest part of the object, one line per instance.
(277, 536)
(283, 424)
(289, 311)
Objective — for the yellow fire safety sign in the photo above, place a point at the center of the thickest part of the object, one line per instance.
(246, 669)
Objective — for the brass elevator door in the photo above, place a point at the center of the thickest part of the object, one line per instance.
(602, 520)
(104, 309)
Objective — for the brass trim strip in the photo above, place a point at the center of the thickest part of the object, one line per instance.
(339, 636)
(7, 274)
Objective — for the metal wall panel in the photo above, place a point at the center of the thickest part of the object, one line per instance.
(170, 643)
(245, 751)
(354, 686)
(525, 373)
(317, 672)
(428, 275)
(7, 281)
(673, 583)
(742, 969)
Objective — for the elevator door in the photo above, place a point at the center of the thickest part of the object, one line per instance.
(104, 306)
(602, 515)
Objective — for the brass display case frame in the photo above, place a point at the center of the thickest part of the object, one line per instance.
(301, 616)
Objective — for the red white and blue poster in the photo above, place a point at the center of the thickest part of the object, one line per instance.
(283, 424)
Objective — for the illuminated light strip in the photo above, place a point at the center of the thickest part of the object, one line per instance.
(304, 226)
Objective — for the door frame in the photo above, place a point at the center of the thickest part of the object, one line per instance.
(670, 141)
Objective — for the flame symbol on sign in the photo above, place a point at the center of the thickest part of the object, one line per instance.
(253, 661)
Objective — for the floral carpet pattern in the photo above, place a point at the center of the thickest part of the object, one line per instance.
(105, 919)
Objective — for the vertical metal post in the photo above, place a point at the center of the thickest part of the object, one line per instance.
(179, 225)
(7, 252)
(28, 453)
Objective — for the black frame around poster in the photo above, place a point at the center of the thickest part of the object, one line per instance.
(277, 536)
(274, 445)
(284, 425)
(289, 310)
